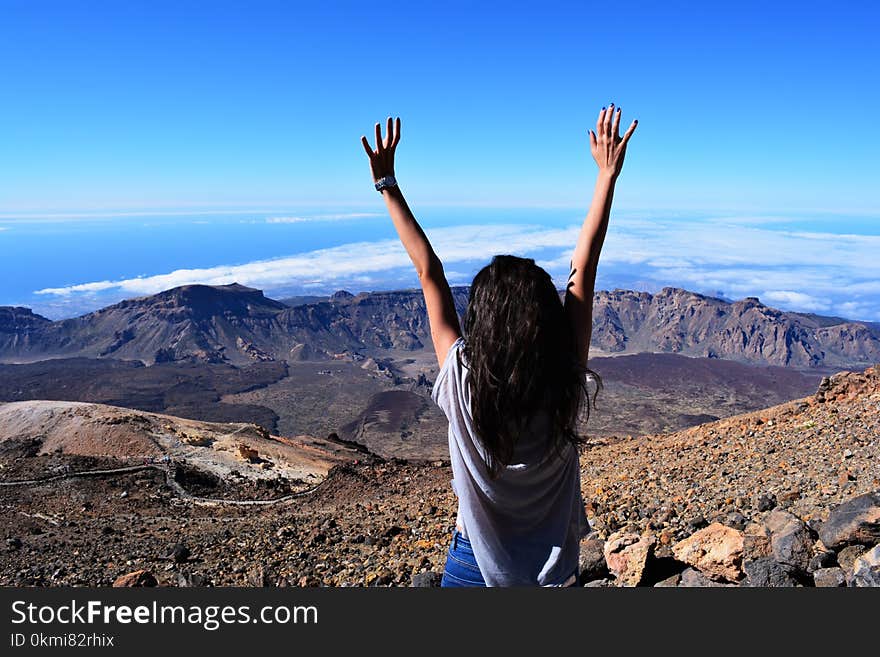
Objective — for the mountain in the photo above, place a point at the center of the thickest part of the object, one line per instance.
(236, 324)
(679, 321)
(228, 323)
(17, 325)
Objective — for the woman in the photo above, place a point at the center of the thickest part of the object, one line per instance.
(513, 390)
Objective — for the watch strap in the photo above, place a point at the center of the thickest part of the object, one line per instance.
(385, 182)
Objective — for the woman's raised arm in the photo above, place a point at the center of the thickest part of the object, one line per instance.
(442, 317)
(608, 149)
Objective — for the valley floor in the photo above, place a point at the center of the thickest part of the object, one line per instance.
(384, 523)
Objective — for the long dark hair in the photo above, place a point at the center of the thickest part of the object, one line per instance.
(522, 356)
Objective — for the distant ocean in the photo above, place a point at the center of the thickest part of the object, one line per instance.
(325, 250)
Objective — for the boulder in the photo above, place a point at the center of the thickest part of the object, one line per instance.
(766, 571)
(790, 540)
(592, 560)
(626, 555)
(715, 550)
(866, 569)
(136, 578)
(829, 577)
(855, 521)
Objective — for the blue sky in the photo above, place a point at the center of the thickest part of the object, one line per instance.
(167, 104)
(757, 141)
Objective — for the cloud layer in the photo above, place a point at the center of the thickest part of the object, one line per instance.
(321, 217)
(795, 270)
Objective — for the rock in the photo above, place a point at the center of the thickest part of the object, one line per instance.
(692, 578)
(866, 569)
(829, 577)
(392, 531)
(287, 531)
(756, 542)
(136, 578)
(766, 502)
(696, 523)
(854, 521)
(429, 579)
(822, 559)
(716, 551)
(13, 544)
(668, 582)
(191, 579)
(599, 584)
(381, 577)
(248, 453)
(179, 553)
(736, 520)
(767, 572)
(848, 555)
(626, 555)
(790, 540)
(592, 560)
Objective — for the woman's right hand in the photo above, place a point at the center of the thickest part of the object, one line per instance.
(606, 144)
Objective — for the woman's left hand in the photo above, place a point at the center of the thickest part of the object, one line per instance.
(382, 159)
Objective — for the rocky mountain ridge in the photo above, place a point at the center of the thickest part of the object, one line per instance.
(237, 324)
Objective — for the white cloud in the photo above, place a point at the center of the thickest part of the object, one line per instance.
(797, 299)
(342, 263)
(794, 270)
(322, 217)
(757, 220)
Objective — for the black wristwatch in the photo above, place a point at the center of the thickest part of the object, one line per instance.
(385, 182)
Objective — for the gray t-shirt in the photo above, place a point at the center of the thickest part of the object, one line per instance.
(525, 526)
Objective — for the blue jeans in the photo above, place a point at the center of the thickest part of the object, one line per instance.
(461, 566)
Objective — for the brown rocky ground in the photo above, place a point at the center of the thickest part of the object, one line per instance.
(751, 492)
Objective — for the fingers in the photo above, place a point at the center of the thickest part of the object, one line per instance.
(615, 125)
(396, 133)
(607, 121)
(600, 121)
(389, 133)
(629, 132)
(593, 142)
(379, 146)
(367, 146)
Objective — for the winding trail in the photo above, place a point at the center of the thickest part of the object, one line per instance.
(174, 485)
